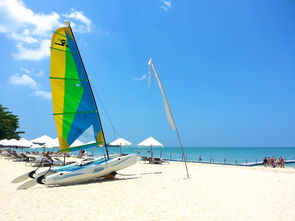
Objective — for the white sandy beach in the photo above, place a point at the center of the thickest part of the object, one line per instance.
(156, 192)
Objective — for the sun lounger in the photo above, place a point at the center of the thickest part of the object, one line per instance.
(6, 154)
(30, 159)
(57, 162)
(145, 159)
(27, 158)
(15, 157)
(156, 160)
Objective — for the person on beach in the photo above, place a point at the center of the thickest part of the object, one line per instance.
(46, 154)
(81, 153)
(281, 162)
(265, 161)
(268, 162)
(272, 161)
(275, 164)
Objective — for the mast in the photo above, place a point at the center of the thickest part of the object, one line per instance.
(169, 112)
(68, 24)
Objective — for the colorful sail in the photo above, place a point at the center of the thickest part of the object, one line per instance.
(74, 107)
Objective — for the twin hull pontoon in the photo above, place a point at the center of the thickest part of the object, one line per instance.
(86, 170)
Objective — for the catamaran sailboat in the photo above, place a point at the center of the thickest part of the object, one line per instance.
(76, 117)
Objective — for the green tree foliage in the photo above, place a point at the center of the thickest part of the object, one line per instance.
(8, 124)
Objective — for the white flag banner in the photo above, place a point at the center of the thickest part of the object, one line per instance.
(167, 109)
(165, 101)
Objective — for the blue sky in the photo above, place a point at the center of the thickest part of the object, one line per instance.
(227, 67)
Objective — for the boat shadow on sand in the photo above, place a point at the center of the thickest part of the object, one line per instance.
(98, 180)
(122, 177)
(140, 174)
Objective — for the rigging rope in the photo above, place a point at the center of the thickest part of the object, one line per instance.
(116, 133)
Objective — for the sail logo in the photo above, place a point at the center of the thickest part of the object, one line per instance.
(62, 42)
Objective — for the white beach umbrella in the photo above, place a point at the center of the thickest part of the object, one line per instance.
(24, 143)
(120, 142)
(7, 143)
(40, 140)
(45, 141)
(37, 146)
(3, 142)
(150, 142)
(52, 143)
(11, 143)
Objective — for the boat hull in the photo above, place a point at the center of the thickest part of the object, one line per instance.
(90, 171)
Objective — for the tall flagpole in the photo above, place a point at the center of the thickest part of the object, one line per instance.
(169, 112)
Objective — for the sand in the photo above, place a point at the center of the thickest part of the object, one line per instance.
(156, 192)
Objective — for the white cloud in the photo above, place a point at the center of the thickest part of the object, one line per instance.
(31, 72)
(40, 51)
(24, 80)
(20, 17)
(165, 4)
(24, 37)
(31, 30)
(39, 74)
(44, 94)
(86, 25)
(27, 71)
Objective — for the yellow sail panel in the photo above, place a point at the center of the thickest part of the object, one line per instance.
(59, 39)
(57, 87)
(100, 138)
(63, 144)
(57, 60)
(58, 69)
(59, 48)
(59, 122)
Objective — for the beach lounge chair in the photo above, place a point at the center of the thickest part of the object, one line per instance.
(15, 157)
(156, 160)
(30, 159)
(40, 160)
(6, 154)
(26, 157)
(145, 159)
(57, 162)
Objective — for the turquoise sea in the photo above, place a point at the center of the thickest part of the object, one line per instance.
(230, 155)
